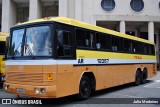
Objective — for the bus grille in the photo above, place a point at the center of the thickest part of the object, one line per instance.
(24, 77)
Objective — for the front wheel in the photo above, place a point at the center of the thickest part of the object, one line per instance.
(84, 88)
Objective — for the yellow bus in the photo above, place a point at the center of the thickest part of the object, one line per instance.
(57, 57)
(3, 36)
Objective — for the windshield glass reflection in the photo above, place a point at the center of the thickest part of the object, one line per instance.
(33, 41)
(38, 41)
(16, 45)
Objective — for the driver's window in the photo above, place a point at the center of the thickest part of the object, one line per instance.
(64, 43)
(16, 45)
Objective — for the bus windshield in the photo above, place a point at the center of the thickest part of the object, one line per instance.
(32, 41)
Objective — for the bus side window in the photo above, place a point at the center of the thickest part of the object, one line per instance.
(128, 46)
(103, 41)
(85, 39)
(64, 43)
(114, 44)
(89, 39)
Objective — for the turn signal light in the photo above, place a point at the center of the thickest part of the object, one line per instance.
(50, 77)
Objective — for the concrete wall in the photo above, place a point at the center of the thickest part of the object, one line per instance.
(151, 8)
(8, 15)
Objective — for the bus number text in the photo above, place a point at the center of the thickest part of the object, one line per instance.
(103, 61)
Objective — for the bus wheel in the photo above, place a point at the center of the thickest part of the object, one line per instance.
(138, 78)
(144, 76)
(85, 87)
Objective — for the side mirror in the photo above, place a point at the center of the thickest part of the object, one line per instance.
(8, 42)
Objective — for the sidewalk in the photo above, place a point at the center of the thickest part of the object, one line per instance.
(157, 77)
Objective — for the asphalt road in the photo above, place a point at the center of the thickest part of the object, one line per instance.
(106, 97)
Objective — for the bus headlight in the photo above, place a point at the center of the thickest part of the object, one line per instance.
(37, 91)
(43, 90)
(7, 87)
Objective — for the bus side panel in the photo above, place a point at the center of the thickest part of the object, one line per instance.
(152, 69)
(114, 75)
(68, 78)
(103, 77)
(130, 72)
(118, 75)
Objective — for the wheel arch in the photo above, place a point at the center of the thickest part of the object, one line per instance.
(91, 75)
(138, 69)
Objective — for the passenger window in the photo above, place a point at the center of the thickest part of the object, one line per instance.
(128, 46)
(145, 47)
(103, 41)
(64, 43)
(117, 44)
(138, 48)
(152, 50)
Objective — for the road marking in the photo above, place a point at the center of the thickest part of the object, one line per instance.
(155, 84)
(130, 96)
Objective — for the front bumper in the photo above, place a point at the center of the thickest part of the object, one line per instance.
(29, 90)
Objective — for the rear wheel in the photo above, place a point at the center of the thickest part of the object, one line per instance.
(144, 76)
(85, 87)
(138, 78)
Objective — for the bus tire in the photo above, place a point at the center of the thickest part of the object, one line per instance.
(138, 78)
(144, 76)
(85, 88)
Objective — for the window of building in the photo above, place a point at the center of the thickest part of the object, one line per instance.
(137, 5)
(108, 5)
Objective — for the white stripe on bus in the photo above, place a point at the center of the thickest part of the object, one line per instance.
(85, 61)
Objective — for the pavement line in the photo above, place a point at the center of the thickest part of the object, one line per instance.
(155, 82)
(130, 96)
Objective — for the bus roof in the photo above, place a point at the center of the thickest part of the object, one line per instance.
(3, 36)
(87, 26)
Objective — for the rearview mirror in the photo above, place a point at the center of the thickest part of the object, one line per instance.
(7, 42)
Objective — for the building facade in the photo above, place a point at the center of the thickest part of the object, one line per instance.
(139, 18)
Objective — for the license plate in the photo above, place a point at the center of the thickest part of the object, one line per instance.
(22, 91)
